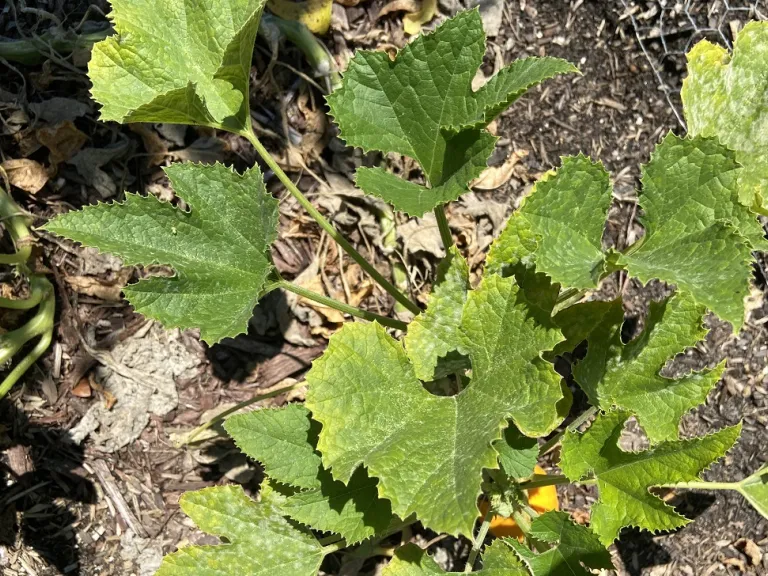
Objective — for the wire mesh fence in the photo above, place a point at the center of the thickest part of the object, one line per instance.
(667, 29)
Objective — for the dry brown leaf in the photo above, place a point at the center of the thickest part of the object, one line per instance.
(63, 141)
(496, 176)
(316, 285)
(82, 389)
(398, 6)
(750, 550)
(155, 146)
(26, 174)
(93, 286)
(205, 150)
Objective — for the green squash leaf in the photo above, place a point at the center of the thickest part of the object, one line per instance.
(560, 225)
(573, 545)
(410, 560)
(284, 440)
(219, 250)
(260, 542)
(724, 96)
(755, 490)
(627, 376)
(692, 226)
(435, 333)
(517, 453)
(366, 377)
(422, 105)
(177, 61)
(623, 478)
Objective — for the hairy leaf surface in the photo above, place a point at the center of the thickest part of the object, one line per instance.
(573, 545)
(410, 560)
(422, 105)
(628, 376)
(623, 478)
(260, 542)
(284, 440)
(560, 225)
(517, 453)
(428, 451)
(219, 249)
(755, 489)
(177, 61)
(692, 226)
(724, 96)
(435, 333)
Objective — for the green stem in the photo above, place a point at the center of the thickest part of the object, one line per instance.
(540, 481)
(552, 442)
(341, 306)
(17, 228)
(38, 288)
(335, 546)
(237, 407)
(327, 226)
(479, 539)
(40, 325)
(442, 225)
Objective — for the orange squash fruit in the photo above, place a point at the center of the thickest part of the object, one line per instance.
(541, 499)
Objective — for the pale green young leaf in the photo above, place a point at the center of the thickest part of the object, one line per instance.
(260, 542)
(516, 245)
(694, 226)
(219, 249)
(567, 211)
(624, 478)
(283, 440)
(574, 548)
(177, 61)
(435, 332)
(628, 376)
(517, 453)
(755, 490)
(411, 560)
(724, 96)
(560, 226)
(365, 376)
(418, 104)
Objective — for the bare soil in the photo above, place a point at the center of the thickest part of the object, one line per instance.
(88, 510)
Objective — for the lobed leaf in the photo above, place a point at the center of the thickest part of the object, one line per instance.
(694, 225)
(250, 529)
(435, 333)
(560, 225)
(628, 376)
(411, 560)
(283, 440)
(755, 489)
(723, 96)
(422, 105)
(574, 547)
(427, 451)
(624, 478)
(219, 250)
(177, 61)
(517, 453)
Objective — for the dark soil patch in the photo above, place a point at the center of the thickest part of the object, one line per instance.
(615, 112)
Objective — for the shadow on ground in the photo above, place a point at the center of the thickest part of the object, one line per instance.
(41, 474)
